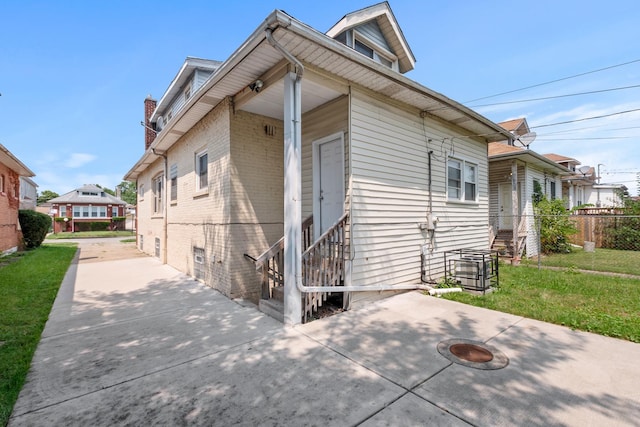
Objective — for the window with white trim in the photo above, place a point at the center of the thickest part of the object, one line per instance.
(141, 192)
(173, 181)
(462, 180)
(114, 211)
(202, 170)
(369, 48)
(62, 211)
(157, 194)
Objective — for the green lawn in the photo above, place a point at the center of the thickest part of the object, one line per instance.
(28, 287)
(597, 303)
(88, 234)
(615, 261)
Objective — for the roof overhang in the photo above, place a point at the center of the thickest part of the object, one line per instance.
(532, 158)
(256, 58)
(13, 163)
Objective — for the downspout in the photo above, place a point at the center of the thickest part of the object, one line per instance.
(164, 202)
(299, 70)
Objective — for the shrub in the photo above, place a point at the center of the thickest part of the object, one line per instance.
(34, 227)
(555, 226)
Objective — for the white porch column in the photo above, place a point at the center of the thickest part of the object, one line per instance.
(515, 207)
(292, 199)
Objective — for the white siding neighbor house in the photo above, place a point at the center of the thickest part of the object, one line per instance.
(582, 186)
(514, 172)
(308, 160)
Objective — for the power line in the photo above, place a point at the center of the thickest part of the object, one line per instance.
(556, 96)
(553, 81)
(551, 138)
(586, 118)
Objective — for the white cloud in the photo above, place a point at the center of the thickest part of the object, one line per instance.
(77, 160)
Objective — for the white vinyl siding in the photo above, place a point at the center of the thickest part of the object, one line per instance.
(390, 198)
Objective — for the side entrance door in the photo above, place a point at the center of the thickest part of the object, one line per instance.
(328, 182)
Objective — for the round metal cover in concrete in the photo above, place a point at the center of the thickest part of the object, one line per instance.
(474, 354)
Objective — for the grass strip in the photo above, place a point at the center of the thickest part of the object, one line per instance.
(611, 260)
(28, 288)
(596, 303)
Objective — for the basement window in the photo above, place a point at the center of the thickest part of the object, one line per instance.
(198, 263)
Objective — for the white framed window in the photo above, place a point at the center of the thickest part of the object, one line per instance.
(202, 170)
(374, 51)
(157, 194)
(62, 211)
(114, 211)
(1, 183)
(462, 180)
(141, 192)
(173, 182)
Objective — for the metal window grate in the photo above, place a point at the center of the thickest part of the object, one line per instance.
(198, 263)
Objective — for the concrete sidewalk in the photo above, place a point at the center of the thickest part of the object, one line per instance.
(134, 342)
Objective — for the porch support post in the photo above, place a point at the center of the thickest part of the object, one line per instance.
(515, 207)
(292, 199)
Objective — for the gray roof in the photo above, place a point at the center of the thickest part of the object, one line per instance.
(76, 196)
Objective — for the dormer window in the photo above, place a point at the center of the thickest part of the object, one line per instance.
(364, 45)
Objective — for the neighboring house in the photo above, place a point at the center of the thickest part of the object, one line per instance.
(28, 193)
(315, 155)
(77, 209)
(11, 170)
(583, 187)
(513, 174)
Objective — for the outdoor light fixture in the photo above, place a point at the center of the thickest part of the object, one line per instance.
(256, 86)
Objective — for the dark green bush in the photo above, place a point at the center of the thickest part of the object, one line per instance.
(34, 227)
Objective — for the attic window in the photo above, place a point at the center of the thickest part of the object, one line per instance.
(374, 51)
(187, 93)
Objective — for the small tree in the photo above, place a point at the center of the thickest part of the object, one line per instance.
(47, 195)
(555, 226)
(128, 192)
(34, 227)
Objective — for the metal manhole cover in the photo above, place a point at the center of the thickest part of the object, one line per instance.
(471, 353)
(474, 354)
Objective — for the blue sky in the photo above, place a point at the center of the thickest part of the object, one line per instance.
(74, 74)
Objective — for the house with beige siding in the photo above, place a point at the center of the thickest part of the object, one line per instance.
(515, 170)
(308, 161)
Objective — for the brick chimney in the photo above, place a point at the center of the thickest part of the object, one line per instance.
(149, 108)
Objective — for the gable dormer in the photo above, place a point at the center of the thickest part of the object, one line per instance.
(374, 32)
(192, 75)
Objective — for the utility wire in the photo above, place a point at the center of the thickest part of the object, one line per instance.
(586, 118)
(553, 81)
(556, 96)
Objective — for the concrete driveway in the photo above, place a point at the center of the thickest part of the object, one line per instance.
(134, 342)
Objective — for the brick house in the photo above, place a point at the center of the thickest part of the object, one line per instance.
(310, 157)
(77, 209)
(11, 170)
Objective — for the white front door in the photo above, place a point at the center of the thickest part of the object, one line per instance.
(506, 207)
(328, 182)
